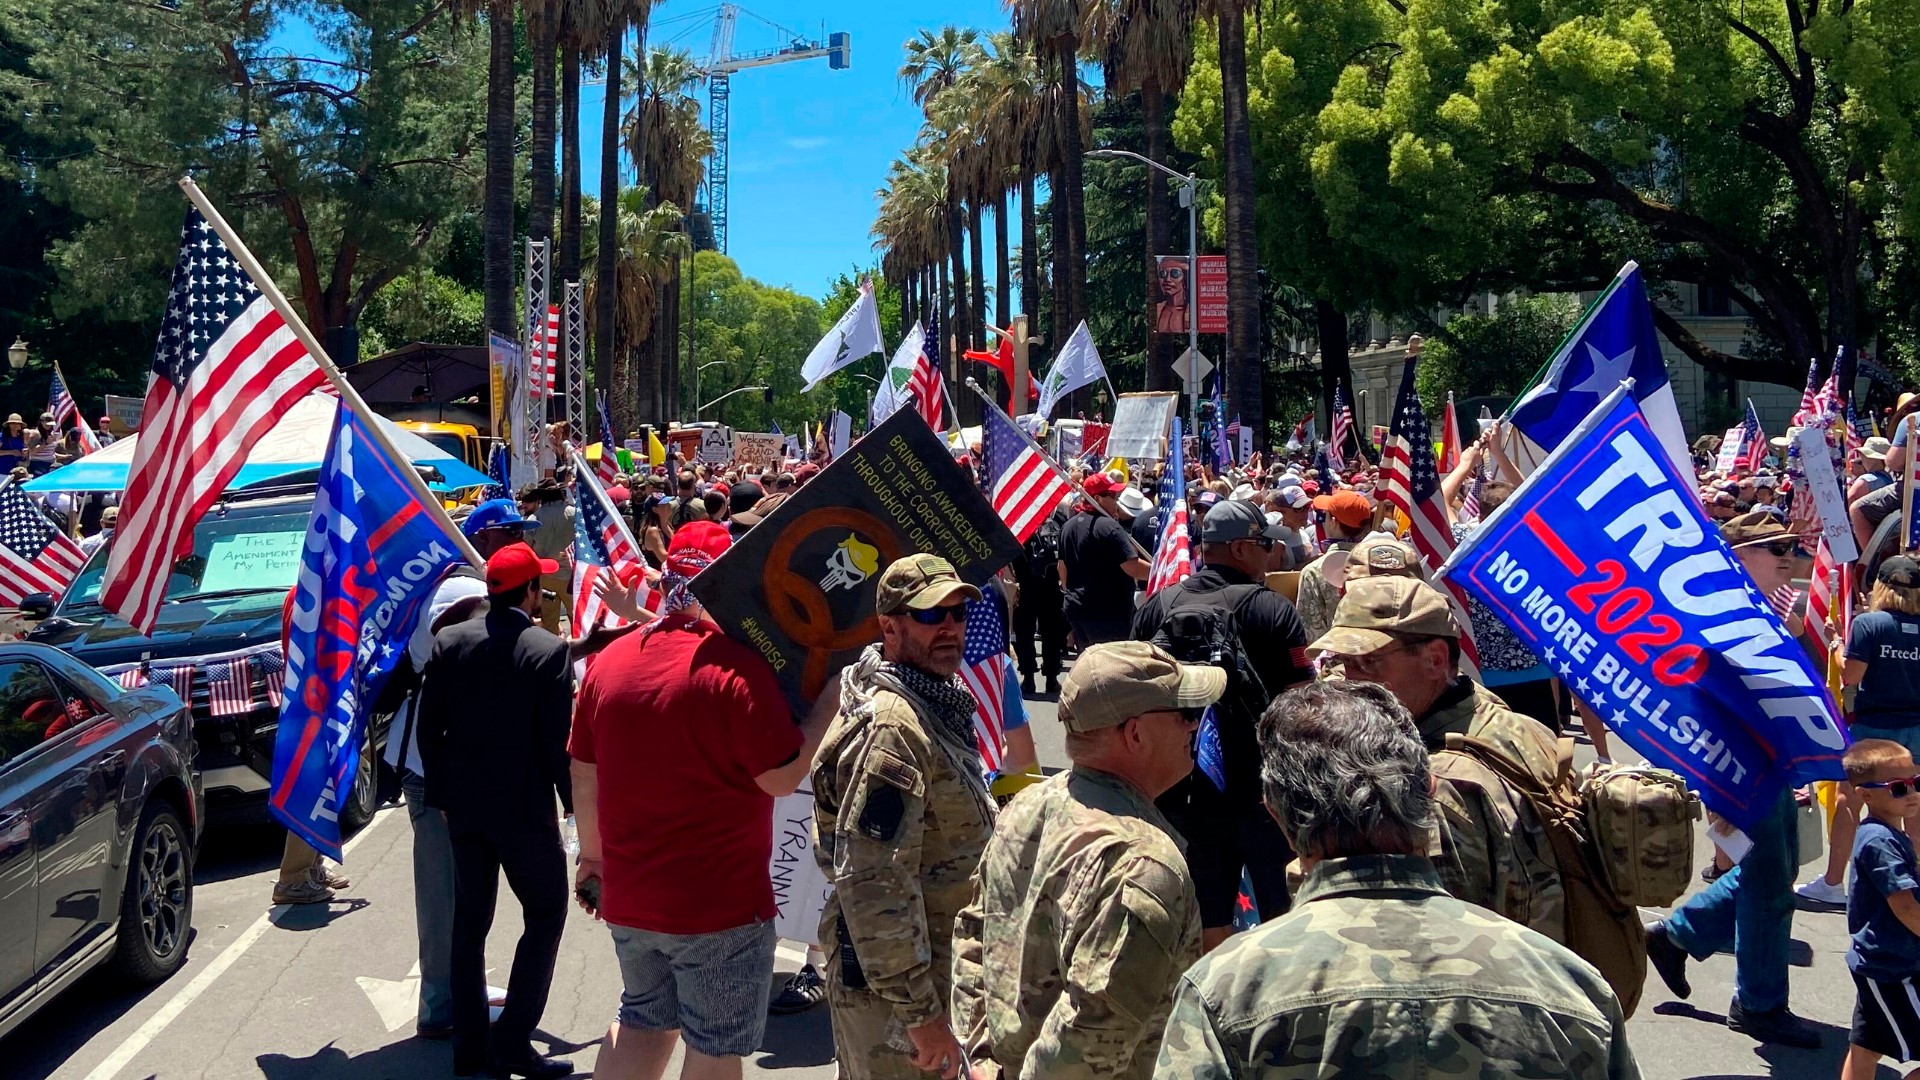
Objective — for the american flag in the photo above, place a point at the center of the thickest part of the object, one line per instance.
(1411, 482)
(273, 673)
(60, 402)
(1339, 430)
(133, 678)
(226, 368)
(609, 462)
(983, 668)
(1470, 505)
(229, 687)
(1828, 590)
(1173, 554)
(1022, 484)
(601, 547)
(1450, 438)
(544, 360)
(35, 555)
(498, 470)
(179, 677)
(1807, 396)
(929, 390)
(1753, 440)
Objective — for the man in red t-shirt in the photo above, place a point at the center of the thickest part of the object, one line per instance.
(698, 740)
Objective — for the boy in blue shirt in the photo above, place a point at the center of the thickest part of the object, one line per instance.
(1883, 914)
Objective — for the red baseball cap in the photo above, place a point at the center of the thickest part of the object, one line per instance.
(515, 565)
(695, 545)
(1102, 484)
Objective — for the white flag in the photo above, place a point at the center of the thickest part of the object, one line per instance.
(893, 388)
(855, 337)
(1077, 365)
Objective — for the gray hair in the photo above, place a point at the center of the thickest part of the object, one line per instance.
(1345, 771)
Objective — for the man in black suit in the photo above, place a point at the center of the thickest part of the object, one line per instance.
(495, 708)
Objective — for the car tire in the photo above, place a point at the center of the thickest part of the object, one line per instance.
(364, 799)
(156, 908)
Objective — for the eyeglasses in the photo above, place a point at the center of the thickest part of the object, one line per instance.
(1899, 789)
(1780, 550)
(1265, 542)
(936, 615)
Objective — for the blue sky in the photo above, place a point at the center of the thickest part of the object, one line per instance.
(809, 144)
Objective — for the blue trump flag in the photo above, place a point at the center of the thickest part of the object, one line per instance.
(1615, 340)
(373, 557)
(1605, 565)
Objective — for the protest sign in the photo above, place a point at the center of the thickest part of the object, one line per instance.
(125, 411)
(1139, 428)
(800, 887)
(1093, 438)
(1729, 455)
(1066, 442)
(1823, 487)
(758, 447)
(716, 445)
(1607, 568)
(798, 588)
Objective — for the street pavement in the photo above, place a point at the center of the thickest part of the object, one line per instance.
(309, 993)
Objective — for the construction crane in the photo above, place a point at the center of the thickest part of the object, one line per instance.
(722, 62)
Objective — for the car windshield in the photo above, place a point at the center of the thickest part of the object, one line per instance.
(233, 555)
(447, 442)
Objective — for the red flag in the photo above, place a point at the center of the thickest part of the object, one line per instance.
(1450, 438)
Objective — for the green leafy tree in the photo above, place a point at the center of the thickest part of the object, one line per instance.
(423, 306)
(753, 334)
(1494, 355)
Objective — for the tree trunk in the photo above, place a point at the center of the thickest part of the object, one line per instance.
(1245, 387)
(568, 259)
(1072, 166)
(604, 297)
(1002, 273)
(942, 295)
(976, 335)
(1336, 366)
(497, 204)
(906, 302)
(1029, 251)
(1058, 327)
(1162, 349)
(541, 27)
(953, 326)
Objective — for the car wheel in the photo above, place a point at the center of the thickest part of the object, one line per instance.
(156, 911)
(364, 799)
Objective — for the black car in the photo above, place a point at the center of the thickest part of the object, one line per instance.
(227, 596)
(99, 820)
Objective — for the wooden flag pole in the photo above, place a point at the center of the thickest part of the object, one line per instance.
(349, 397)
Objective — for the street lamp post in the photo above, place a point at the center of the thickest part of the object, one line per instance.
(1189, 190)
(725, 396)
(17, 353)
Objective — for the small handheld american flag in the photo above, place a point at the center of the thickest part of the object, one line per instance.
(602, 547)
(983, 668)
(35, 556)
(609, 463)
(273, 672)
(1023, 485)
(1412, 483)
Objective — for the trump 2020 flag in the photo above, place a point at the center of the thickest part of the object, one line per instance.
(1077, 365)
(855, 337)
(1615, 340)
(1605, 565)
(373, 557)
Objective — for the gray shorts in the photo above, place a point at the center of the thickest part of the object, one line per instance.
(712, 987)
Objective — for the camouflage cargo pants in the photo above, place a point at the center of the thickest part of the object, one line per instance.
(866, 1037)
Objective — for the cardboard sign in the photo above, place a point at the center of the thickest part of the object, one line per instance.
(716, 445)
(1829, 499)
(254, 558)
(1140, 423)
(1066, 443)
(800, 887)
(758, 447)
(798, 588)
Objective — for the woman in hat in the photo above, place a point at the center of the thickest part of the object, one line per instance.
(1883, 671)
(13, 443)
(43, 444)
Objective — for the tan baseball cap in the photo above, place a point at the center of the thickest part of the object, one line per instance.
(1756, 527)
(1115, 682)
(1376, 608)
(920, 582)
(1383, 556)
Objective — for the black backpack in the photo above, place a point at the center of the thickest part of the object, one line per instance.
(1200, 627)
(1043, 547)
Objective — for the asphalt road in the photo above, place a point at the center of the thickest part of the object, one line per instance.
(309, 993)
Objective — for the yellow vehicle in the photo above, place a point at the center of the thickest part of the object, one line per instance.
(461, 441)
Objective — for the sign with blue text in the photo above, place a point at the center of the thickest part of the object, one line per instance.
(1604, 564)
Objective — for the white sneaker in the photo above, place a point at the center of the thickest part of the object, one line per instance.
(1818, 891)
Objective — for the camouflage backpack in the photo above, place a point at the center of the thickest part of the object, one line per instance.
(1641, 823)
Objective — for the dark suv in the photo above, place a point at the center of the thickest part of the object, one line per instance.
(227, 596)
(99, 821)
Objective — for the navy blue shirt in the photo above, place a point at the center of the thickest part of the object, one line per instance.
(1883, 947)
(1889, 694)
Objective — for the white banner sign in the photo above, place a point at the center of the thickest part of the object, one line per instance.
(1729, 450)
(800, 888)
(1816, 462)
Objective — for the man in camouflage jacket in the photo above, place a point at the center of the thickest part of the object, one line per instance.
(901, 815)
(1083, 911)
(1377, 973)
(1490, 847)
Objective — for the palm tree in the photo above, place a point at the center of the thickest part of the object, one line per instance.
(620, 16)
(648, 242)
(1146, 46)
(1014, 109)
(910, 230)
(669, 148)
(543, 38)
(935, 63)
(1052, 27)
(581, 30)
(496, 204)
(1243, 366)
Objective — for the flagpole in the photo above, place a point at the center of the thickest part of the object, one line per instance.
(1048, 458)
(349, 397)
(1906, 497)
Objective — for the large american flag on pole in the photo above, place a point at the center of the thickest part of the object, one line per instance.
(1023, 485)
(544, 361)
(1412, 484)
(602, 547)
(225, 369)
(1173, 554)
(35, 556)
(929, 390)
(983, 668)
(1339, 429)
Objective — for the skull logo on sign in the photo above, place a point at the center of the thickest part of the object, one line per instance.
(851, 563)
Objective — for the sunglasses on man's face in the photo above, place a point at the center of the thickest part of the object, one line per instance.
(1899, 789)
(1780, 550)
(936, 615)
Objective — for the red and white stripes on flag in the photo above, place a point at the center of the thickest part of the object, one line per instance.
(1339, 429)
(929, 392)
(1411, 482)
(1173, 555)
(230, 686)
(273, 673)
(602, 547)
(225, 369)
(178, 676)
(35, 555)
(543, 362)
(133, 678)
(1023, 484)
(1828, 589)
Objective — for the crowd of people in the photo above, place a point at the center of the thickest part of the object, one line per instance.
(1287, 737)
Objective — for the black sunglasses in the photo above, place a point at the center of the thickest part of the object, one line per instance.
(1781, 549)
(1899, 789)
(936, 615)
